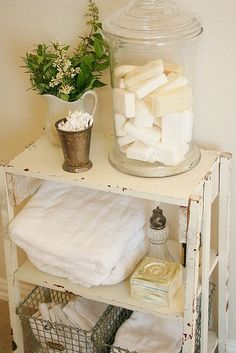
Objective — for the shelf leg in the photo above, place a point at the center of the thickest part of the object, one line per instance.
(11, 262)
(192, 264)
(205, 260)
(223, 273)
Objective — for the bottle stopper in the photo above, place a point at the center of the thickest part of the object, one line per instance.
(157, 220)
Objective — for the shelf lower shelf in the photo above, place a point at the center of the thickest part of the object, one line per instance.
(118, 294)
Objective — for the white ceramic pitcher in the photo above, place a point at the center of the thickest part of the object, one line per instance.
(59, 109)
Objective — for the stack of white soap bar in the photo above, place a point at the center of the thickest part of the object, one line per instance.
(153, 115)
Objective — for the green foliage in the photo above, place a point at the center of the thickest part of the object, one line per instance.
(53, 71)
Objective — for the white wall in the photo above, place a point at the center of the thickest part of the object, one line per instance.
(27, 22)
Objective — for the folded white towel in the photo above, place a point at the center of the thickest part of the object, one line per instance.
(84, 275)
(79, 225)
(145, 333)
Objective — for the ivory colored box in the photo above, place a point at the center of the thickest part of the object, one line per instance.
(156, 281)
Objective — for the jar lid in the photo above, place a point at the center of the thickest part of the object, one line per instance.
(159, 21)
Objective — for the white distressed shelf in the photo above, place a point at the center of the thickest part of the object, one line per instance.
(193, 192)
(43, 160)
(118, 294)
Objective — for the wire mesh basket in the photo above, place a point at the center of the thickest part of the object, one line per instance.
(103, 334)
(46, 336)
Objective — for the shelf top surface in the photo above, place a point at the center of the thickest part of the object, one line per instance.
(44, 161)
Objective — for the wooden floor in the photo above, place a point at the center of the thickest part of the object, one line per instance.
(5, 334)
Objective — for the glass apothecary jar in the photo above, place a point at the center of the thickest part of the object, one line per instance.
(153, 53)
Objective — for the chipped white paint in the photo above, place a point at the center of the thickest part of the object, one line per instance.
(183, 224)
(192, 265)
(205, 260)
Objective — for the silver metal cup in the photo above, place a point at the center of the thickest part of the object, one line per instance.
(76, 148)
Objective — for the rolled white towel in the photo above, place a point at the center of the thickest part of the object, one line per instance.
(44, 311)
(90, 309)
(63, 319)
(53, 316)
(78, 320)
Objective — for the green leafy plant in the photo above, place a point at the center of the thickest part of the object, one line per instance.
(54, 71)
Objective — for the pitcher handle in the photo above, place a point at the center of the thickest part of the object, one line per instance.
(94, 94)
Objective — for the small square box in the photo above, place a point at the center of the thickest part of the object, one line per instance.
(156, 281)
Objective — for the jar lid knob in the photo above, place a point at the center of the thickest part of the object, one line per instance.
(157, 220)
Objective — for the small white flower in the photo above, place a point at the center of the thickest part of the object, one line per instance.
(54, 82)
(66, 89)
(66, 65)
(59, 76)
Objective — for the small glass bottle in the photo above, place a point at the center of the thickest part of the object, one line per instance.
(158, 234)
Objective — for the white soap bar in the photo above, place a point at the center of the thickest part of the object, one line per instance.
(145, 72)
(143, 116)
(177, 128)
(120, 121)
(138, 150)
(149, 135)
(169, 154)
(146, 87)
(172, 67)
(125, 140)
(124, 102)
(177, 82)
(174, 81)
(122, 70)
(164, 103)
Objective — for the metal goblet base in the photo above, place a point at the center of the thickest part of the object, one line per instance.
(77, 169)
